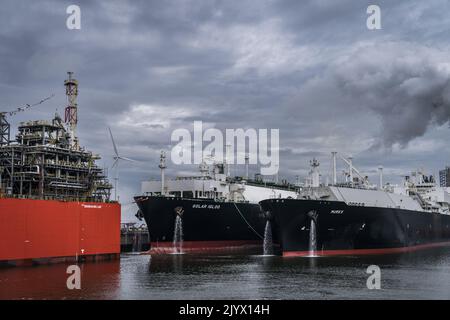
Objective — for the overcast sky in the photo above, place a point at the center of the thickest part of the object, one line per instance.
(310, 68)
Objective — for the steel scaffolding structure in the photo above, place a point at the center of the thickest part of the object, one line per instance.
(4, 130)
(42, 164)
(46, 162)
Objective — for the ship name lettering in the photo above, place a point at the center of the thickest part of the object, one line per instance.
(206, 206)
(91, 206)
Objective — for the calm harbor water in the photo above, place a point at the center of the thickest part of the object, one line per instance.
(419, 275)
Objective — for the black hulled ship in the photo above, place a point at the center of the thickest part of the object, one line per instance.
(354, 217)
(215, 211)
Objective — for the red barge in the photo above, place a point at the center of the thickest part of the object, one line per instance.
(54, 200)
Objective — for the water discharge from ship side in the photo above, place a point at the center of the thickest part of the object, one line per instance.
(313, 234)
(268, 243)
(178, 235)
(312, 239)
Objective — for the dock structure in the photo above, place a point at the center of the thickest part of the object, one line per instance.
(134, 238)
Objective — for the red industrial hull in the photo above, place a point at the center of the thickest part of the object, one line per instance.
(39, 229)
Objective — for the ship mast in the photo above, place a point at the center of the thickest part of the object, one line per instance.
(380, 168)
(227, 160)
(334, 167)
(246, 166)
(350, 169)
(162, 166)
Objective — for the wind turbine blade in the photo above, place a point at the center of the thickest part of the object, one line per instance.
(115, 162)
(127, 159)
(113, 142)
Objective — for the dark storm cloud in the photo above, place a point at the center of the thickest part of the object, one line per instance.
(309, 68)
(406, 86)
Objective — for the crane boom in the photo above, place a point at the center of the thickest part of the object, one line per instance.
(25, 106)
(354, 169)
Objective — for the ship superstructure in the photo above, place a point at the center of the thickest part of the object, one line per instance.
(214, 184)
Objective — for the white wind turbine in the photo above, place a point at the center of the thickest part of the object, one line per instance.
(115, 165)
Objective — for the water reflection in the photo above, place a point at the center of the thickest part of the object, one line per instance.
(419, 275)
(99, 280)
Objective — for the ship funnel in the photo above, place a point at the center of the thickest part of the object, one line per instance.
(315, 175)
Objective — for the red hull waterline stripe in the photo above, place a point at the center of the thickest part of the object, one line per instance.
(199, 246)
(365, 251)
(55, 260)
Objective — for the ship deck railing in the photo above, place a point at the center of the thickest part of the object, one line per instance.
(221, 200)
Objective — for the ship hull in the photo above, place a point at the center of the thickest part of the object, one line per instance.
(206, 224)
(51, 230)
(344, 230)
